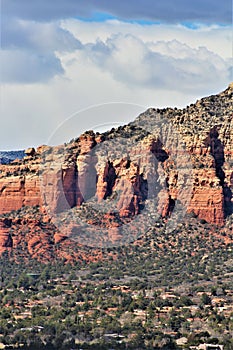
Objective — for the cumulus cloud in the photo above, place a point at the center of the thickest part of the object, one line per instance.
(43, 37)
(130, 59)
(207, 11)
(164, 64)
(33, 34)
(53, 69)
(29, 50)
(215, 37)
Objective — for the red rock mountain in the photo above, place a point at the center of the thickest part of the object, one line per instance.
(164, 164)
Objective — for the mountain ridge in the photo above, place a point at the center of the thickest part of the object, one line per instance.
(8, 156)
(82, 189)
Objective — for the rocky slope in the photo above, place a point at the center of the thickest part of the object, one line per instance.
(109, 189)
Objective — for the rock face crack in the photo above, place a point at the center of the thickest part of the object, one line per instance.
(217, 151)
(110, 178)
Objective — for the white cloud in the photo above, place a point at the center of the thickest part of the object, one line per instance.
(31, 35)
(164, 64)
(146, 65)
(29, 50)
(214, 37)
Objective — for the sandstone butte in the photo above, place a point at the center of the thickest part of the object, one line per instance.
(99, 167)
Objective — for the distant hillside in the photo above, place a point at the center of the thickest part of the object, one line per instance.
(8, 156)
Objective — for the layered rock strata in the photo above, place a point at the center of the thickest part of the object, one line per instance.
(145, 164)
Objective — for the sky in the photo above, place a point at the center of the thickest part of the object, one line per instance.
(69, 65)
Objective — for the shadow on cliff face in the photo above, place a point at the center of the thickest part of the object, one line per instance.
(110, 178)
(119, 182)
(217, 151)
(159, 151)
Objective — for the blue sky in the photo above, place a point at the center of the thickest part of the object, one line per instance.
(62, 57)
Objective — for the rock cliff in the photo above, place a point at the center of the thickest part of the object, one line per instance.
(165, 162)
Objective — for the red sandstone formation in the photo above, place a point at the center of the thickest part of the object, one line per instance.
(64, 177)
